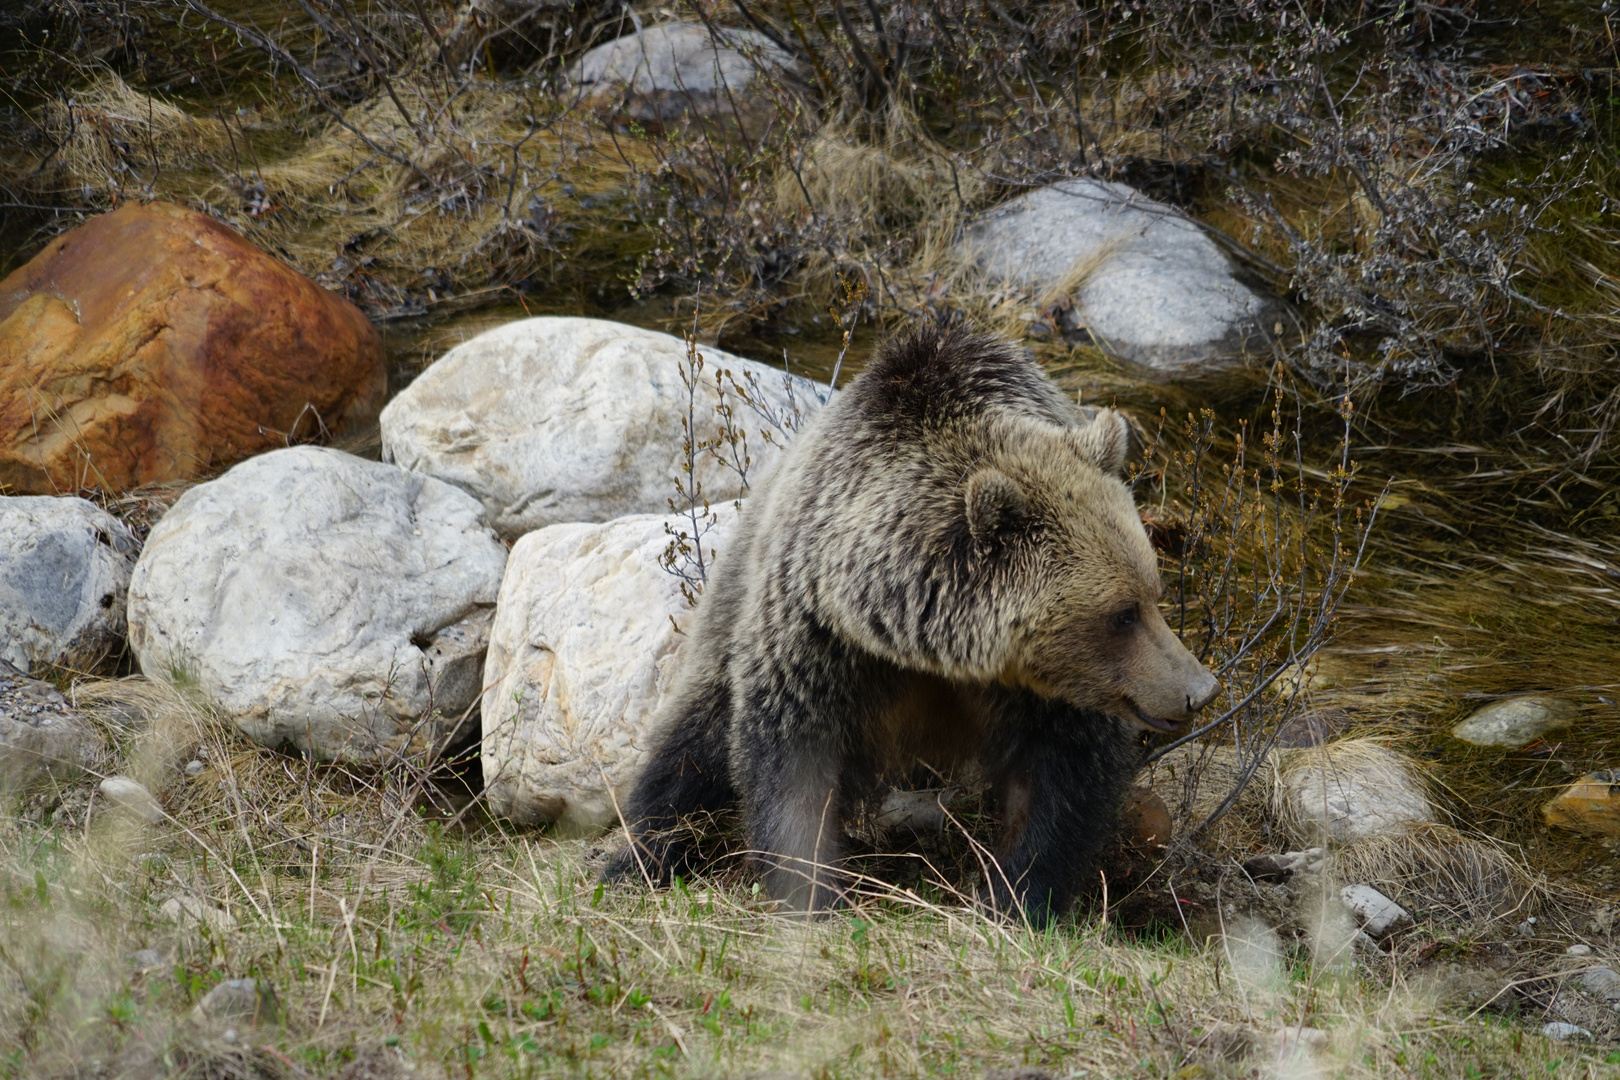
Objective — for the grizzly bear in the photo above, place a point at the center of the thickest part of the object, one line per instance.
(945, 567)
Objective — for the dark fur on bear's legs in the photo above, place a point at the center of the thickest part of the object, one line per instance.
(688, 774)
(1059, 774)
(801, 728)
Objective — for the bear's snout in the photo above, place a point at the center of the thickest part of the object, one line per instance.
(1203, 692)
(1168, 684)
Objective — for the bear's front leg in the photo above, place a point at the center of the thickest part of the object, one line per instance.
(1059, 774)
(797, 748)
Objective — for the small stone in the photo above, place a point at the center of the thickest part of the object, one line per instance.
(1604, 982)
(250, 999)
(133, 797)
(1527, 928)
(1364, 943)
(144, 960)
(1579, 950)
(1590, 805)
(195, 768)
(190, 911)
(1283, 865)
(1515, 722)
(1377, 913)
(1558, 1031)
(916, 812)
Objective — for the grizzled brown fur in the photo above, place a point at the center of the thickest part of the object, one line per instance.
(945, 566)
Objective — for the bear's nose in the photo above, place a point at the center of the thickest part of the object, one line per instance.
(1203, 692)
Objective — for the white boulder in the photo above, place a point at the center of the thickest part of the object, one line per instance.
(64, 570)
(672, 68)
(582, 653)
(1147, 284)
(325, 602)
(553, 420)
(1349, 790)
(1514, 723)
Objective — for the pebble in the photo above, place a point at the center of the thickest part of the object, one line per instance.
(188, 910)
(1604, 982)
(1561, 1032)
(144, 960)
(1283, 865)
(132, 796)
(195, 768)
(1579, 950)
(1377, 913)
(246, 998)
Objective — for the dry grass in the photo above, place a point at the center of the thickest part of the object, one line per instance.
(389, 936)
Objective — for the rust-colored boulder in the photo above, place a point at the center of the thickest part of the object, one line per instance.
(154, 343)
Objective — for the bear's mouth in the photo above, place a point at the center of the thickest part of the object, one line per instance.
(1154, 722)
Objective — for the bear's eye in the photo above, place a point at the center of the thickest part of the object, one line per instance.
(1125, 618)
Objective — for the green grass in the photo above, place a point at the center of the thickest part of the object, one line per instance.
(390, 939)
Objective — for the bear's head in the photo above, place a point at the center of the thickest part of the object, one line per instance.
(1047, 507)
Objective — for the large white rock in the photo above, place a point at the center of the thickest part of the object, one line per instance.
(665, 70)
(64, 570)
(554, 420)
(1350, 790)
(581, 655)
(320, 598)
(1148, 284)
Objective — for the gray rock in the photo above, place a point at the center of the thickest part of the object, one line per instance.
(1351, 789)
(1147, 284)
(1604, 982)
(41, 736)
(64, 570)
(144, 960)
(913, 812)
(190, 911)
(554, 420)
(306, 590)
(1578, 950)
(1514, 722)
(666, 70)
(252, 1000)
(1279, 866)
(1377, 913)
(132, 796)
(1558, 1031)
(195, 768)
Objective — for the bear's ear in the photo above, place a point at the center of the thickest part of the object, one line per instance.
(1104, 442)
(995, 505)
